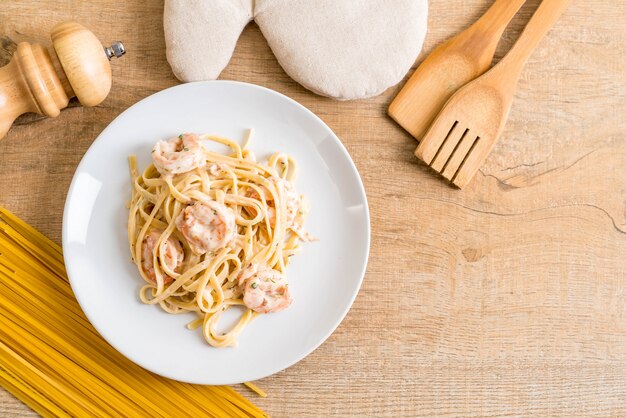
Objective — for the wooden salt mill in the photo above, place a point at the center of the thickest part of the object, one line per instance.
(41, 82)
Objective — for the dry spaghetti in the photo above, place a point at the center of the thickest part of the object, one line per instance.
(53, 360)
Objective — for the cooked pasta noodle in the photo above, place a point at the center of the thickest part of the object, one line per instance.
(209, 231)
(53, 360)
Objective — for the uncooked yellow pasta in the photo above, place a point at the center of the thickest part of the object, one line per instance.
(53, 360)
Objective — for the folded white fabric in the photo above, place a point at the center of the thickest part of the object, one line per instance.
(344, 49)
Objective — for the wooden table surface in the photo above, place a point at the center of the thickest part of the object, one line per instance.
(504, 299)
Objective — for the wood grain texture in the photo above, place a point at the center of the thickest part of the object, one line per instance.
(467, 128)
(505, 299)
(454, 63)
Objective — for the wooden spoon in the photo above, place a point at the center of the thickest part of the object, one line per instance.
(453, 64)
(467, 128)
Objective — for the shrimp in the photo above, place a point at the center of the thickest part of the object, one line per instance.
(173, 255)
(207, 226)
(290, 196)
(178, 155)
(215, 169)
(265, 289)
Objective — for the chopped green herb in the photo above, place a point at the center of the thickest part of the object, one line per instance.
(185, 149)
(180, 136)
(254, 285)
(273, 281)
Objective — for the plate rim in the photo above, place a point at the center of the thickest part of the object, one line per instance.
(101, 137)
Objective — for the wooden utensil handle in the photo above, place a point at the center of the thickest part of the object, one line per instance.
(497, 18)
(543, 20)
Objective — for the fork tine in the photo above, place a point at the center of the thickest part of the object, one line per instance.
(460, 154)
(447, 148)
(443, 127)
(476, 156)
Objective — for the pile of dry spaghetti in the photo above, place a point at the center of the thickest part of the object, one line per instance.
(53, 360)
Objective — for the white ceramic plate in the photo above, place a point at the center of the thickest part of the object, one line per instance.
(324, 278)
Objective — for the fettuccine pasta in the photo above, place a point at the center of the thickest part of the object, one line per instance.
(209, 231)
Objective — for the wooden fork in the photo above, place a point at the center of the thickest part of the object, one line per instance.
(451, 65)
(468, 126)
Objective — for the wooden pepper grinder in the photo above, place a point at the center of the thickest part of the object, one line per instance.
(41, 82)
